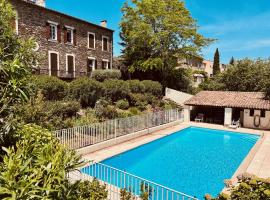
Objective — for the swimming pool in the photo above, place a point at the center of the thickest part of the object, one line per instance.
(194, 160)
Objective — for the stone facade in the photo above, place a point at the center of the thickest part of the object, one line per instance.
(34, 21)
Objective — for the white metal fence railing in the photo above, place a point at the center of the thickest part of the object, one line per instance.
(83, 136)
(119, 182)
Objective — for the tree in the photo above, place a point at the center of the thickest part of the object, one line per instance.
(232, 61)
(16, 59)
(216, 65)
(246, 75)
(156, 33)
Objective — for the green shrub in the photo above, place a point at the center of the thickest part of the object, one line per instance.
(249, 187)
(105, 111)
(50, 115)
(124, 113)
(138, 100)
(116, 89)
(51, 87)
(63, 109)
(153, 87)
(38, 169)
(88, 118)
(136, 86)
(122, 104)
(86, 91)
(134, 111)
(102, 75)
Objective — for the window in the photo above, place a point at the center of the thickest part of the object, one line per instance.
(105, 43)
(263, 113)
(53, 32)
(251, 113)
(91, 65)
(91, 40)
(53, 63)
(70, 65)
(105, 64)
(70, 36)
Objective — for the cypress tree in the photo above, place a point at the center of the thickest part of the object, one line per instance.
(232, 61)
(216, 65)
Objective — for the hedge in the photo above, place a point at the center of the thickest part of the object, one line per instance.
(86, 91)
(153, 87)
(116, 89)
(51, 87)
(102, 75)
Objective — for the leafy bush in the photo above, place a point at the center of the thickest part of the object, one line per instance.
(51, 87)
(102, 75)
(134, 111)
(250, 187)
(50, 115)
(89, 117)
(116, 89)
(86, 91)
(153, 87)
(38, 167)
(136, 86)
(122, 104)
(139, 100)
(105, 111)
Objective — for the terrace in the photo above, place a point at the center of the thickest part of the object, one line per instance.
(112, 138)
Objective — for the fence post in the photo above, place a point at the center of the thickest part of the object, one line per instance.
(115, 124)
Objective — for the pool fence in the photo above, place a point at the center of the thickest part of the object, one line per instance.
(121, 184)
(84, 136)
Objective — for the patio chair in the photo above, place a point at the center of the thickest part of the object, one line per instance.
(235, 124)
(199, 118)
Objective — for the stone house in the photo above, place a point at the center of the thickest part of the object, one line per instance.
(68, 47)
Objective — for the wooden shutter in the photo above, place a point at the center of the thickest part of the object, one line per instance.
(59, 33)
(96, 64)
(48, 31)
(70, 62)
(75, 37)
(65, 35)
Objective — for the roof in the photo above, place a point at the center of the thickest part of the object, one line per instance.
(251, 100)
(65, 15)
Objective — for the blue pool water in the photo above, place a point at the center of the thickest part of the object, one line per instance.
(194, 160)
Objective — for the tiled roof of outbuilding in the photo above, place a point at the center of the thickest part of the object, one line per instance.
(252, 100)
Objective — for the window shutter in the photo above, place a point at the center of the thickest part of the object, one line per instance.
(59, 33)
(109, 65)
(75, 37)
(65, 35)
(96, 66)
(48, 31)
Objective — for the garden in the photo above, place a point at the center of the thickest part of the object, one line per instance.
(55, 104)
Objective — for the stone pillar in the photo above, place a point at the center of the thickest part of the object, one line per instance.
(186, 113)
(228, 116)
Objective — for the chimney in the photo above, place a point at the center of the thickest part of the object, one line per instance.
(103, 23)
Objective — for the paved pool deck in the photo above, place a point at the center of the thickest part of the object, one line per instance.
(257, 161)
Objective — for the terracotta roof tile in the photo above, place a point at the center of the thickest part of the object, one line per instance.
(252, 100)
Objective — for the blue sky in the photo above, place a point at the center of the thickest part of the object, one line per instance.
(241, 27)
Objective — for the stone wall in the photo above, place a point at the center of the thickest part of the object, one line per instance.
(33, 22)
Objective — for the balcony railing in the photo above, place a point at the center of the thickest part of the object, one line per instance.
(61, 73)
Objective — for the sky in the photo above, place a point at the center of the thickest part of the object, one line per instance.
(241, 27)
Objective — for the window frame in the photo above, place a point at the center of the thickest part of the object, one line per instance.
(94, 65)
(74, 64)
(108, 50)
(53, 24)
(58, 62)
(107, 66)
(88, 41)
(70, 28)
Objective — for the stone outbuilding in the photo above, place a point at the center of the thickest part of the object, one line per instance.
(224, 107)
